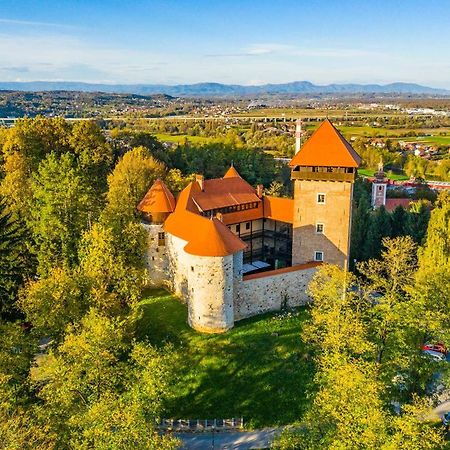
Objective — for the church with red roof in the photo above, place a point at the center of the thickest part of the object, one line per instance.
(230, 251)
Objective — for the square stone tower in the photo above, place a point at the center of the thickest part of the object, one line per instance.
(323, 171)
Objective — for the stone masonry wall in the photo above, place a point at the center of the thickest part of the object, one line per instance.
(211, 306)
(156, 259)
(271, 292)
(204, 283)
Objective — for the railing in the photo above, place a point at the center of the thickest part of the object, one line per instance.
(322, 176)
(191, 425)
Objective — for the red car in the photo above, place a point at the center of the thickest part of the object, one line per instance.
(438, 347)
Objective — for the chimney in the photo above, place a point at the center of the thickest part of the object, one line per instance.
(200, 180)
(259, 190)
(298, 135)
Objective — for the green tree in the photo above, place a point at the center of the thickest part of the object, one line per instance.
(379, 227)
(115, 283)
(15, 261)
(128, 183)
(61, 211)
(94, 154)
(102, 391)
(53, 302)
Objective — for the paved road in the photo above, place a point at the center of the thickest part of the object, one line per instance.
(235, 440)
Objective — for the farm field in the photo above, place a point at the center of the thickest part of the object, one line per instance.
(180, 138)
(260, 370)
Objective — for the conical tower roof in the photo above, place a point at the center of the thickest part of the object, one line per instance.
(231, 173)
(327, 148)
(213, 238)
(158, 199)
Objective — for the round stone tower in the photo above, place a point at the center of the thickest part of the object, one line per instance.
(155, 207)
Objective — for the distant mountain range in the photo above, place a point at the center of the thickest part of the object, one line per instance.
(225, 90)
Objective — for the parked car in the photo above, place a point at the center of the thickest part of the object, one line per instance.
(438, 347)
(435, 356)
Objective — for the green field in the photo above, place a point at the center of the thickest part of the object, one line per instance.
(391, 176)
(180, 138)
(259, 370)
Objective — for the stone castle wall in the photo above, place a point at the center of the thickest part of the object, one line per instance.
(156, 259)
(206, 284)
(270, 291)
(211, 306)
(335, 215)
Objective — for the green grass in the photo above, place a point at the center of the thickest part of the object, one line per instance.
(180, 138)
(259, 370)
(392, 176)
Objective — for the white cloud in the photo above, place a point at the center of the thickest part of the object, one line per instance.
(30, 23)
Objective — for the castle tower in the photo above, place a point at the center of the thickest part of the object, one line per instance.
(323, 172)
(157, 204)
(379, 187)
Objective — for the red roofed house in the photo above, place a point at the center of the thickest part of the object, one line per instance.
(231, 252)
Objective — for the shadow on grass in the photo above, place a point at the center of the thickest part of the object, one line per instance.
(259, 370)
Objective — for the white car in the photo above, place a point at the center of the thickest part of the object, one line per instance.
(435, 356)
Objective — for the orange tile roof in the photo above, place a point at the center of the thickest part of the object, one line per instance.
(213, 238)
(281, 209)
(204, 236)
(231, 173)
(222, 192)
(392, 203)
(245, 215)
(326, 148)
(158, 199)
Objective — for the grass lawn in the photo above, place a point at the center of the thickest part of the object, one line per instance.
(370, 173)
(259, 370)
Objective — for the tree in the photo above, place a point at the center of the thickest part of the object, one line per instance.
(16, 186)
(128, 183)
(398, 222)
(175, 180)
(360, 224)
(336, 326)
(53, 302)
(103, 391)
(36, 138)
(115, 283)
(15, 262)
(379, 227)
(417, 220)
(93, 153)
(61, 211)
(390, 277)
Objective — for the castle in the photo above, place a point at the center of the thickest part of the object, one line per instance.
(231, 252)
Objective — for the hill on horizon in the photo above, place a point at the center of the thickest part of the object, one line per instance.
(210, 89)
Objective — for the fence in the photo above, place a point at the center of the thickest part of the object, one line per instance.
(190, 425)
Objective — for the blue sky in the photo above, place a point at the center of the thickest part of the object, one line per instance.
(245, 42)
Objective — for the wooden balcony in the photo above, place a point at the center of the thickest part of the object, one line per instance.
(323, 176)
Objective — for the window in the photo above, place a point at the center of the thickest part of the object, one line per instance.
(318, 256)
(247, 226)
(321, 198)
(238, 228)
(192, 269)
(319, 228)
(380, 188)
(161, 239)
